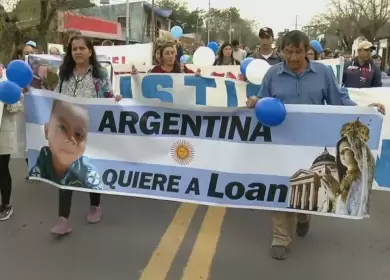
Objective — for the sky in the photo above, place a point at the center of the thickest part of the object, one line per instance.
(276, 14)
(280, 15)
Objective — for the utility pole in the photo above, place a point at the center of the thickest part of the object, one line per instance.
(230, 28)
(127, 22)
(153, 24)
(296, 22)
(197, 30)
(208, 23)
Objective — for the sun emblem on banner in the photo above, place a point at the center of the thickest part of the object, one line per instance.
(182, 152)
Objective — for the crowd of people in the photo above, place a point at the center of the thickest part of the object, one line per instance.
(81, 75)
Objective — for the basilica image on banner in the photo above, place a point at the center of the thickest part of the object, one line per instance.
(340, 183)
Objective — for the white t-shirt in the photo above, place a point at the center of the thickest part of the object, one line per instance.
(267, 56)
(239, 55)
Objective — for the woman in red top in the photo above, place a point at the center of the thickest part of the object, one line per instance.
(168, 63)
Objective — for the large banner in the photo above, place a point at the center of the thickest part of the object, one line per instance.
(320, 161)
(231, 93)
(122, 71)
(365, 97)
(137, 54)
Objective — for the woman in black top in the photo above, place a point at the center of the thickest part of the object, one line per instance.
(225, 55)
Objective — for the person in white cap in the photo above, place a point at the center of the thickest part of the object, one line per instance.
(33, 45)
(362, 72)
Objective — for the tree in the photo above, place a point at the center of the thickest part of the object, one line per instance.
(350, 19)
(190, 21)
(30, 20)
(44, 11)
(7, 27)
(224, 23)
(227, 24)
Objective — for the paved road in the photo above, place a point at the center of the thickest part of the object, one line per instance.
(141, 239)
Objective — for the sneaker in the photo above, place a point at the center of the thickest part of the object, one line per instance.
(62, 227)
(303, 228)
(94, 214)
(5, 212)
(279, 252)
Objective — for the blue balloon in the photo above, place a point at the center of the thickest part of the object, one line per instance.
(213, 46)
(316, 46)
(244, 64)
(10, 92)
(184, 59)
(20, 73)
(177, 32)
(270, 111)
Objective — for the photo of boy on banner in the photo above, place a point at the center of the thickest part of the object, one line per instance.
(338, 184)
(63, 161)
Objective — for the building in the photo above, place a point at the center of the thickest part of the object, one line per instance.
(139, 24)
(96, 28)
(29, 15)
(308, 191)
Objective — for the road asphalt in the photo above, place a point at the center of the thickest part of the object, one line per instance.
(144, 239)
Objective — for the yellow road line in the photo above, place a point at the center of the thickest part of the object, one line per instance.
(199, 263)
(163, 256)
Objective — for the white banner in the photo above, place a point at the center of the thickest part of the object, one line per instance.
(206, 155)
(123, 70)
(137, 54)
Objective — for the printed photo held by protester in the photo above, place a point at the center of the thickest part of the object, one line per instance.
(362, 72)
(54, 51)
(62, 161)
(81, 75)
(298, 80)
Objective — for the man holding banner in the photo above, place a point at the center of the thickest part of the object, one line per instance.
(298, 81)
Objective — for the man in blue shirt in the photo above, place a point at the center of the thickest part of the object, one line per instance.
(298, 81)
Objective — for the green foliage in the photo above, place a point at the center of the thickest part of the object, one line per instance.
(190, 21)
(351, 19)
(221, 22)
(31, 20)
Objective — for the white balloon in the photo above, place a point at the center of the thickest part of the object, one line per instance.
(203, 56)
(256, 70)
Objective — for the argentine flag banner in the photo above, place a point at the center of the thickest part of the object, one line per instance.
(320, 160)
